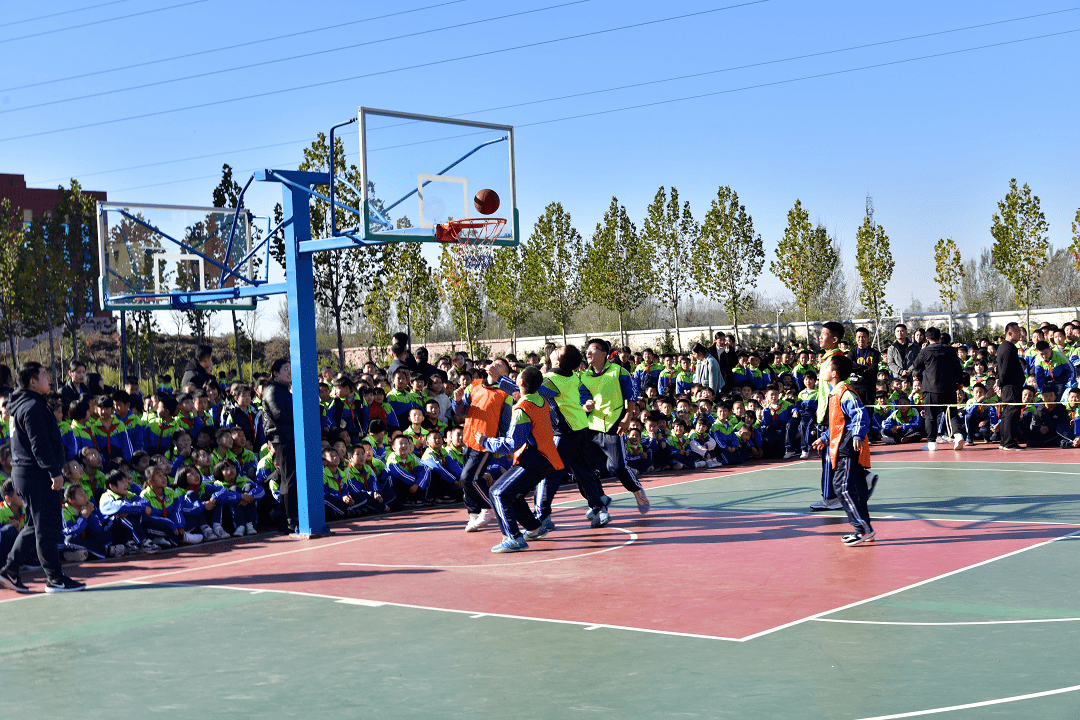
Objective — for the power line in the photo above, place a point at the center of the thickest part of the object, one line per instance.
(230, 47)
(743, 88)
(100, 22)
(294, 57)
(620, 87)
(325, 83)
(64, 12)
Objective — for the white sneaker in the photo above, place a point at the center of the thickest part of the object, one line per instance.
(712, 463)
(958, 442)
(239, 532)
(481, 519)
(207, 532)
(162, 543)
(220, 531)
(931, 446)
(789, 455)
(804, 455)
(74, 555)
(700, 464)
(250, 529)
(192, 538)
(833, 504)
(115, 551)
(149, 547)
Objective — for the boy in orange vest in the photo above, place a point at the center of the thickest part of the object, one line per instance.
(532, 441)
(487, 407)
(848, 422)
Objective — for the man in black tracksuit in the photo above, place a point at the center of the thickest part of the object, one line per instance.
(278, 424)
(1010, 380)
(941, 374)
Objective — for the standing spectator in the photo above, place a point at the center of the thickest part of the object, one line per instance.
(902, 353)
(707, 370)
(423, 367)
(723, 349)
(7, 383)
(75, 387)
(199, 370)
(941, 374)
(1010, 381)
(401, 359)
(36, 458)
(865, 362)
(278, 426)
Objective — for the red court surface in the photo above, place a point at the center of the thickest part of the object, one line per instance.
(695, 572)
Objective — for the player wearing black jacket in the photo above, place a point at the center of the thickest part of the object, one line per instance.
(277, 405)
(865, 362)
(941, 373)
(1010, 380)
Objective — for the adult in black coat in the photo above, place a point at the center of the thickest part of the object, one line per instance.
(75, 387)
(865, 362)
(277, 407)
(941, 373)
(724, 351)
(199, 370)
(1011, 381)
(37, 454)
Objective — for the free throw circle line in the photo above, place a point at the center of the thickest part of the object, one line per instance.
(632, 539)
(940, 624)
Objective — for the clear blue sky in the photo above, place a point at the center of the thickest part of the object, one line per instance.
(935, 141)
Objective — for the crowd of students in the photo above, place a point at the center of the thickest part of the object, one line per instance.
(183, 465)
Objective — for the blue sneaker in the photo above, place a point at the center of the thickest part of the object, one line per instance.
(607, 503)
(537, 533)
(509, 545)
(548, 524)
(602, 518)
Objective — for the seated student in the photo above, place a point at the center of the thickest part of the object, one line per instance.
(802, 367)
(377, 437)
(779, 425)
(245, 458)
(637, 455)
(878, 414)
(223, 450)
(705, 411)
(93, 468)
(159, 427)
(401, 398)
(167, 507)
(201, 493)
(363, 479)
(242, 414)
(1053, 369)
(1029, 396)
(341, 500)
(680, 457)
(84, 526)
(74, 475)
(655, 440)
(749, 442)
(415, 430)
(342, 411)
(12, 517)
(723, 431)
(980, 417)
(5, 462)
(180, 452)
(648, 372)
(433, 416)
(703, 448)
(1049, 422)
(665, 382)
(411, 479)
(437, 458)
(684, 379)
(904, 424)
(241, 497)
(165, 384)
(129, 418)
(1072, 407)
(79, 433)
(125, 514)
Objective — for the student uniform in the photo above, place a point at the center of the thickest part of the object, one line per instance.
(487, 410)
(848, 419)
(566, 393)
(610, 388)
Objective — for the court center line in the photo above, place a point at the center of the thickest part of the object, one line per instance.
(945, 624)
(984, 703)
(1000, 470)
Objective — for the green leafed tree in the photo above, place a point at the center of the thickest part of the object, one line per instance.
(672, 232)
(874, 261)
(805, 260)
(14, 300)
(1021, 244)
(462, 291)
(553, 259)
(949, 271)
(1074, 248)
(414, 285)
(727, 260)
(617, 271)
(505, 285)
(70, 232)
(377, 305)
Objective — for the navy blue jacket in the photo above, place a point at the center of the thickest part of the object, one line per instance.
(35, 436)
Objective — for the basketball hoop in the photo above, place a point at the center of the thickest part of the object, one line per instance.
(475, 238)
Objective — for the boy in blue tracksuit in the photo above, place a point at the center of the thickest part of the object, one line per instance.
(780, 425)
(637, 454)
(655, 441)
(167, 510)
(903, 425)
(85, 527)
(127, 515)
(980, 418)
(412, 481)
(806, 407)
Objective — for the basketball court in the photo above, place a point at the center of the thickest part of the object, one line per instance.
(728, 599)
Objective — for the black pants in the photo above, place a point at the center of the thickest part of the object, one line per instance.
(1010, 415)
(43, 530)
(849, 484)
(477, 496)
(932, 413)
(286, 457)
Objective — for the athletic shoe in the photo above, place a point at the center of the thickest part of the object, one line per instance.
(602, 518)
(607, 503)
(712, 463)
(546, 522)
(445, 500)
(537, 533)
(833, 504)
(250, 529)
(132, 548)
(858, 538)
(931, 446)
(804, 454)
(163, 543)
(149, 547)
(192, 538)
(12, 582)
(871, 483)
(207, 532)
(642, 502)
(699, 464)
(958, 442)
(650, 469)
(509, 545)
(74, 556)
(115, 551)
(220, 531)
(66, 584)
(239, 531)
(1011, 447)
(789, 455)
(479, 520)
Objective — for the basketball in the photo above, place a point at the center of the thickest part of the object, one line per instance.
(486, 201)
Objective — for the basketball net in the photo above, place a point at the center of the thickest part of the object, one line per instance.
(474, 239)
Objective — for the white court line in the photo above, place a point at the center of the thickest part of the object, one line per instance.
(496, 566)
(1004, 470)
(936, 624)
(984, 703)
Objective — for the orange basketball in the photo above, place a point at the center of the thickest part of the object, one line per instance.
(486, 201)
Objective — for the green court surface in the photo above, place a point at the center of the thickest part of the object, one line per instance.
(998, 636)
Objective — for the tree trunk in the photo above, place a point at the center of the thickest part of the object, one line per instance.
(622, 333)
(52, 346)
(806, 324)
(468, 335)
(74, 328)
(562, 326)
(735, 323)
(236, 344)
(678, 329)
(513, 340)
(14, 354)
(153, 364)
(340, 345)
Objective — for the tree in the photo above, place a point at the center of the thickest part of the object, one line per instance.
(377, 312)
(227, 194)
(950, 271)
(1021, 244)
(874, 261)
(15, 301)
(415, 285)
(71, 246)
(505, 284)
(727, 260)
(553, 260)
(617, 271)
(461, 290)
(672, 235)
(805, 260)
(1074, 248)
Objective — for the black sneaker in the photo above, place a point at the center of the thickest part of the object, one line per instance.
(858, 538)
(13, 583)
(65, 585)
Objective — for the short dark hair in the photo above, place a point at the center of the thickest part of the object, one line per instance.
(75, 365)
(275, 368)
(28, 372)
(835, 329)
(932, 334)
(1012, 326)
(600, 343)
(862, 330)
(1042, 345)
(530, 379)
(570, 359)
(114, 477)
(842, 365)
(899, 325)
(203, 352)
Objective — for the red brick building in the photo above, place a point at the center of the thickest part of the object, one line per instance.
(34, 202)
